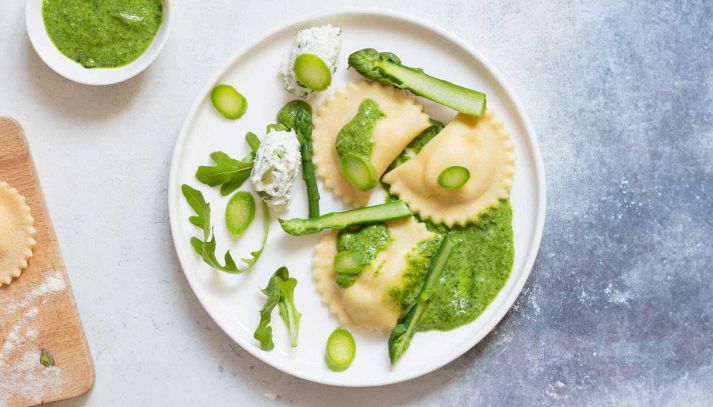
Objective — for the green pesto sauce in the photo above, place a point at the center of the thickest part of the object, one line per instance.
(355, 136)
(102, 33)
(369, 240)
(418, 260)
(476, 271)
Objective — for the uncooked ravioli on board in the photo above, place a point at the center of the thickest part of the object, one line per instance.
(18, 231)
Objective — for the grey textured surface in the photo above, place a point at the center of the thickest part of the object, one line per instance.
(619, 306)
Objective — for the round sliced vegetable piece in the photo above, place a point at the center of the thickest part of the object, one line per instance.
(454, 177)
(312, 72)
(228, 101)
(341, 349)
(359, 171)
(349, 262)
(240, 212)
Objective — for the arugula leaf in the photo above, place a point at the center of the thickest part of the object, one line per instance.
(227, 172)
(253, 142)
(254, 256)
(206, 247)
(207, 251)
(279, 292)
(288, 311)
(200, 207)
(263, 332)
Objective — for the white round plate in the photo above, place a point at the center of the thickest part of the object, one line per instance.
(74, 71)
(234, 301)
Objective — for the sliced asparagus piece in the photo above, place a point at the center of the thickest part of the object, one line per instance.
(228, 101)
(349, 262)
(340, 351)
(339, 220)
(312, 72)
(453, 177)
(240, 212)
(359, 171)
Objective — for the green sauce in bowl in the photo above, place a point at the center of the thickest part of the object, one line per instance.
(102, 33)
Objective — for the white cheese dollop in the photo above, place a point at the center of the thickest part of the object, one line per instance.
(324, 42)
(277, 162)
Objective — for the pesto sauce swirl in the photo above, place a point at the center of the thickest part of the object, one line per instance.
(369, 240)
(417, 260)
(355, 136)
(476, 271)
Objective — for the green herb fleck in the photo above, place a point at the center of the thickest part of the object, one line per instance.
(46, 358)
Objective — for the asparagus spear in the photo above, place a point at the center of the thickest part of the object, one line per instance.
(403, 332)
(386, 68)
(298, 115)
(339, 220)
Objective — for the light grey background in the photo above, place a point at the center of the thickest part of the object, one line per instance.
(619, 306)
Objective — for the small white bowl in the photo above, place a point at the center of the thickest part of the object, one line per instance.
(72, 70)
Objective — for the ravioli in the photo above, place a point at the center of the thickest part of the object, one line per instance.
(481, 145)
(17, 237)
(403, 122)
(366, 303)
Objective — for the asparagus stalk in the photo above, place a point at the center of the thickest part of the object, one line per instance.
(403, 332)
(298, 115)
(386, 68)
(340, 220)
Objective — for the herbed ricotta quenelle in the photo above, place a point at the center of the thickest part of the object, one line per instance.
(276, 165)
(324, 42)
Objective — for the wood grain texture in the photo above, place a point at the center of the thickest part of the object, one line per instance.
(57, 322)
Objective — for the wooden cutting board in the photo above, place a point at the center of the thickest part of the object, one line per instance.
(37, 310)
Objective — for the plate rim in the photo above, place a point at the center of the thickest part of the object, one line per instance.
(429, 26)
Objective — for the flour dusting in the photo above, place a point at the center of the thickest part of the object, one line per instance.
(23, 379)
(52, 285)
(28, 380)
